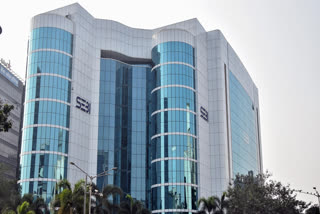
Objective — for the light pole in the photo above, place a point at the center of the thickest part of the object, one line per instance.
(318, 196)
(104, 173)
(310, 193)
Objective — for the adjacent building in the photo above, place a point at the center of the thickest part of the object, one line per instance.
(11, 92)
(173, 108)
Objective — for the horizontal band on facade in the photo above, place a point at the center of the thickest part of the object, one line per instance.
(45, 125)
(174, 210)
(48, 74)
(38, 179)
(43, 152)
(173, 109)
(172, 133)
(47, 49)
(47, 99)
(117, 60)
(171, 86)
(176, 62)
(174, 184)
(173, 158)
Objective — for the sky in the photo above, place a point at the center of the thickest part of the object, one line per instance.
(277, 41)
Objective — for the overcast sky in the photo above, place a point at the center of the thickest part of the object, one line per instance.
(278, 41)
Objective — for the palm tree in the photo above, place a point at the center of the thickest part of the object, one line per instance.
(207, 205)
(109, 192)
(213, 205)
(68, 200)
(222, 204)
(24, 209)
(132, 206)
(39, 205)
(66, 204)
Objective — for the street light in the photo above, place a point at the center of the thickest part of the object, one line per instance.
(310, 193)
(318, 196)
(104, 173)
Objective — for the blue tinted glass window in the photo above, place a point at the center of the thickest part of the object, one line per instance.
(47, 112)
(174, 197)
(47, 86)
(122, 127)
(51, 38)
(243, 129)
(173, 52)
(49, 62)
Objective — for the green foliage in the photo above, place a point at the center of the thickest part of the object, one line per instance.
(8, 211)
(132, 206)
(9, 192)
(5, 123)
(106, 203)
(69, 200)
(257, 194)
(24, 209)
(39, 205)
(65, 201)
(213, 205)
(207, 205)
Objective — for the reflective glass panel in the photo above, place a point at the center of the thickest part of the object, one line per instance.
(243, 129)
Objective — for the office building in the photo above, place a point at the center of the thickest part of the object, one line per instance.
(11, 92)
(173, 108)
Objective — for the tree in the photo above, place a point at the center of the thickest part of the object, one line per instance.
(313, 210)
(5, 110)
(69, 200)
(213, 205)
(222, 204)
(132, 206)
(8, 211)
(24, 209)
(257, 194)
(9, 192)
(104, 204)
(39, 206)
(207, 205)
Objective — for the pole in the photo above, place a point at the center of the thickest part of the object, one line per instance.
(318, 196)
(85, 196)
(104, 173)
(318, 200)
(90, 189)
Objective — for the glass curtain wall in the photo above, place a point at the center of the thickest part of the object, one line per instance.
(44, 151)
(243, 129)
(173, 129)
(122, 140)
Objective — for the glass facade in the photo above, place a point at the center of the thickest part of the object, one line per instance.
(49, 62)
(50, 87)
(44, 151)
(122, 140)
(50, 38)
(173, 129)
(44, 189)
(243, 129)
(173, 97)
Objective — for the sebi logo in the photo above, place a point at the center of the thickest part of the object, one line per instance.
(83, 105)
(204, 114)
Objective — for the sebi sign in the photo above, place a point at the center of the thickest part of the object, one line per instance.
(83, 105)
(204, 114)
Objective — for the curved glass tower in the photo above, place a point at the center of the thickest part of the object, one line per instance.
(173, 108)
(173, 128)
(44, 152)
